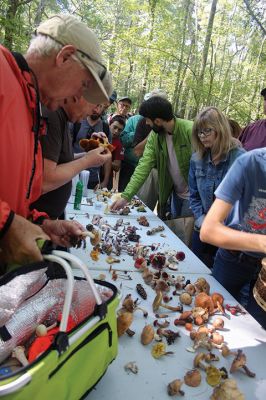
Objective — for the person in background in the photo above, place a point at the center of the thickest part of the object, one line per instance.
(99, 178)
(59, 164)
(148, 193)
(130, 161)
(253, 136)
(116, 126)
(236, 129)
(60, 63)
(215, 152)
(168, 149)
(123, 107)
(236, 223)
(112, 100)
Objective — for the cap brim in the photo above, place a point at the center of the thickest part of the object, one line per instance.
(98, 91)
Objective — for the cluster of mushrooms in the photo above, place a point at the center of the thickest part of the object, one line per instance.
(199, 318)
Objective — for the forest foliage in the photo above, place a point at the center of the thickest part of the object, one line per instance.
(200, 52)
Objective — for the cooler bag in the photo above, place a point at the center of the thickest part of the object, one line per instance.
(77, 359)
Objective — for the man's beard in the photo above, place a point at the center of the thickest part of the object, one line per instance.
(158, 129)
(94, 117)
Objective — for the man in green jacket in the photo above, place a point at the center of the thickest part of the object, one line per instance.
(168, 149)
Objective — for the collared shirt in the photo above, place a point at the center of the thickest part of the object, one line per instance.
(204, 179)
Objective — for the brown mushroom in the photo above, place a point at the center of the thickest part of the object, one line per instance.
(123, 322)
(174, 388)
(202, 285)
(204, 301)
(193, 378)
(198, 361)
(147, 335)
(218, 324)
(216, 338)
(240, 362)
(157, 303)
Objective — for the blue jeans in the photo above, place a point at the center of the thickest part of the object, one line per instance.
(179, 207)
(204, 251)
(234, 272)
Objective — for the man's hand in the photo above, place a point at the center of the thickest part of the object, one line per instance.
(97, 157)
(61, 231)
(119, 204)
(19, 244)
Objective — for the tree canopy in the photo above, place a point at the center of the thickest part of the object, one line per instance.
(200, 52)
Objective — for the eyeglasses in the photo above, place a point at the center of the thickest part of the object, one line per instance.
(205, 132)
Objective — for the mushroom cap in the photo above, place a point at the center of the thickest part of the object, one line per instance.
(193, 378)
(174, 387)
(238, 362)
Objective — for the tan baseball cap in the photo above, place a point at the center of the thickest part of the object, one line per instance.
(66, 29)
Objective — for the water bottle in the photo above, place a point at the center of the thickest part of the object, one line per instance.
(78, 195)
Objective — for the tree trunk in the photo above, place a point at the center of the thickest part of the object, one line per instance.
(206, 50)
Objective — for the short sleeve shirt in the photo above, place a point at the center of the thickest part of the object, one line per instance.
(244, 187)
(118, 153)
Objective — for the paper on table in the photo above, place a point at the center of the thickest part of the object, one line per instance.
(84, 178)
(74, 184)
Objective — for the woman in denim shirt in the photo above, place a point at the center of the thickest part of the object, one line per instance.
(215, 152)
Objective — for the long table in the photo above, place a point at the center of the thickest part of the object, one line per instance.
(241, 331)
(165, 240)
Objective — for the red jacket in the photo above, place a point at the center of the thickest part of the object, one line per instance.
(20, 152)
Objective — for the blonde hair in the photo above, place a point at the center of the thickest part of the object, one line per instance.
(212, 117)
(44, 46)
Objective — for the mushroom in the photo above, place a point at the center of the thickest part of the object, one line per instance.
(42, 330)
(198, 361)
(185, 298)
(147, 334)
(190, 289)
(227, 390)
(240, 362)
(204, 301)
(218, 324)
(123, 323)
(202, 285)
(132, 306)
(131, 367)
(216, 338)
(157, 303)
(214, 375)
(174, 388)
(19, 353)
(226, 351)
(158, 324)
(193, 378)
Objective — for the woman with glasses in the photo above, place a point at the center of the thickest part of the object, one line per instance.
(215, 152)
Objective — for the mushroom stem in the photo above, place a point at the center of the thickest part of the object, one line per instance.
(19, 353)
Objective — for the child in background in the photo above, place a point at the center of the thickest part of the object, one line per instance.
(117, 124)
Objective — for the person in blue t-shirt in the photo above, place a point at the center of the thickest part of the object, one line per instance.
(237, 222)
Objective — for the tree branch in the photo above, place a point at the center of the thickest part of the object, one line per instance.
(252, 14)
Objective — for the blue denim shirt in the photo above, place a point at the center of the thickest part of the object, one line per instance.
(204, 178)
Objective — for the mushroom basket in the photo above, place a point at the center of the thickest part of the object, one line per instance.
(80, 349)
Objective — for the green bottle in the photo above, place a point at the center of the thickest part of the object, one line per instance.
(78, 195)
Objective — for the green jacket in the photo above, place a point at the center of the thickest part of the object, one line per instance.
(156, 156)
(127, 137)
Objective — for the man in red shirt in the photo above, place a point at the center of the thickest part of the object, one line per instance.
(63, 61)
